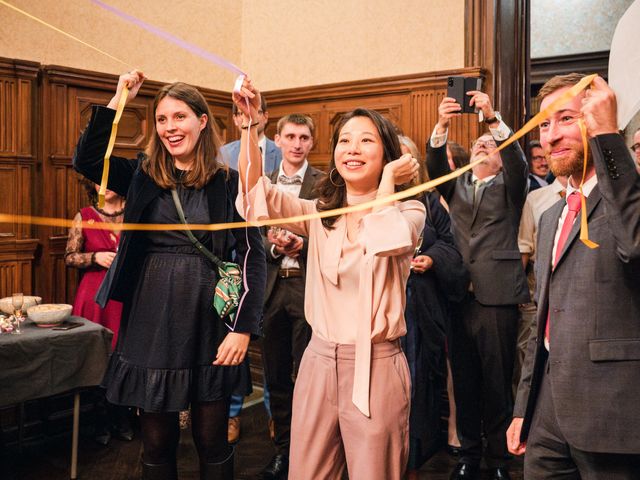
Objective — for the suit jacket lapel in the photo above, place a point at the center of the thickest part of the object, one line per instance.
(308, 183)
(592, 200)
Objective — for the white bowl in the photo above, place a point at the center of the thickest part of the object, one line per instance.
(49, 314)
(6, 305)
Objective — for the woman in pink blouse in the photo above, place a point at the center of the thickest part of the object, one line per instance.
(351, 399)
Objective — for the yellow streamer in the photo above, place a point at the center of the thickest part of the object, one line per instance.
(410, 192)
(112, 141)
(57, 222)
(584, 227)
(72, 37)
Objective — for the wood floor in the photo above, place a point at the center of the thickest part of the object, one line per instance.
(49, 459)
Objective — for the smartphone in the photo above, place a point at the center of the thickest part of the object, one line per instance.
(458, 86)
(67, 325)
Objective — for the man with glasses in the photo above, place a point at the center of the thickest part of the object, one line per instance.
(485, 205)
(538, 166)
(636, 148)
(271, 154)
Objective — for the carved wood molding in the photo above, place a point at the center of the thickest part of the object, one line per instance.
(542, 69)
(370, 87)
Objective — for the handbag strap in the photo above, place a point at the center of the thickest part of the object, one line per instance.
(201, 248)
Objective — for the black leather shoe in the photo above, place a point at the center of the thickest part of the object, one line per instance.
(465, 471)
(277, 469)
(499, 473)
(453, 451)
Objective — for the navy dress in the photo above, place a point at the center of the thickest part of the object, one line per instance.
(426, 314)
(163, 360)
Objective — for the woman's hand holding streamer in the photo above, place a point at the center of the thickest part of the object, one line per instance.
(232, 349)
(247, 99)
(133, 80)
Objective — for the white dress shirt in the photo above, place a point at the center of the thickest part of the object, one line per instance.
(288, 262)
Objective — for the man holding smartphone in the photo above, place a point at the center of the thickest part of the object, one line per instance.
(485, 205)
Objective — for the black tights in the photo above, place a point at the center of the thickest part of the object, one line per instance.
(161, 433)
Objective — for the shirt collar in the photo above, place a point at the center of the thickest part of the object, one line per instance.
(301, 171)
(486, 179)
(586, 188)
(262, 143)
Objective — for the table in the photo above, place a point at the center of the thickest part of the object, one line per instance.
(42, 362)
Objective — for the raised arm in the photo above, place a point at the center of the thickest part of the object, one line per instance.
(618, 181)
(248, 102)
(88, 158)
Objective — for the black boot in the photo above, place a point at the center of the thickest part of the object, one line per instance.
(161, 471)
(218, 471)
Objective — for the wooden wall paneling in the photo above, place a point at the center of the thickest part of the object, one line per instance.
(495, 39)
(18, 105)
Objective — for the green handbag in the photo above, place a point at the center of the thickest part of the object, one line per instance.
(228, 290)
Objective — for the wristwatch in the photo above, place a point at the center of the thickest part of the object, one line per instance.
(496, 118)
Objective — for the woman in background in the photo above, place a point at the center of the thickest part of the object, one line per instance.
(427, 314)
(92, 251)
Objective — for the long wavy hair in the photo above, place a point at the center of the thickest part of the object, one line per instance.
(158, 163)
(331, 189)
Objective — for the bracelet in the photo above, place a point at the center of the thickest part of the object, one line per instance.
(245, 127)
(93, 259)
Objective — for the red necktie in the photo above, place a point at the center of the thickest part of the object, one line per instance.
(574, 203)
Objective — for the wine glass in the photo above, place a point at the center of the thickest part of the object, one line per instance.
(17, 301)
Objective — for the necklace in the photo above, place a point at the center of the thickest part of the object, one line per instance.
(107, 214)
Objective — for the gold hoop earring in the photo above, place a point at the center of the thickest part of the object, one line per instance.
(334, 169)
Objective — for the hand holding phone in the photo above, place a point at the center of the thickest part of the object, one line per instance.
(458, 88)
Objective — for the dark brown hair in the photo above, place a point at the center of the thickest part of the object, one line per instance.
(263, 106)
(89, 188)
(331, 196)
(158, 163)
(558, 82)
(297, 119)
(459, 155)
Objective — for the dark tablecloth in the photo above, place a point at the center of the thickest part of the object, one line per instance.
(42, 362)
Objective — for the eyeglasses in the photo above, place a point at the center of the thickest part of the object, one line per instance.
(635, 147)
(537, 158)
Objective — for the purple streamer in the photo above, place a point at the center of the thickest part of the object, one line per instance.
(200, 52)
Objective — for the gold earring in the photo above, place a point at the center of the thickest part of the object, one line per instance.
(334, 169)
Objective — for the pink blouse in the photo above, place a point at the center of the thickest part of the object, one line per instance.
(355, 291)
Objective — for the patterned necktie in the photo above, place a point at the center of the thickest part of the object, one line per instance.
(574, 203)
(477, 185)
(295, 180)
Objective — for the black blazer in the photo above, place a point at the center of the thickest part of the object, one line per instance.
(127, 178)
(594, 300)
(311, 176)
(487, 234)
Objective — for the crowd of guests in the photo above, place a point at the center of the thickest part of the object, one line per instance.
(367, 317)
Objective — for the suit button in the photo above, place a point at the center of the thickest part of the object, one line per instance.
(474, 235)
(558, 310)
(471, 261)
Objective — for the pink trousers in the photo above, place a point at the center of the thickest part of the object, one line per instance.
(327, 430)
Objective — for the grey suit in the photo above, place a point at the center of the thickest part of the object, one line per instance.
(286, 331)
(273, 156)
(483, 330)
(589, 382)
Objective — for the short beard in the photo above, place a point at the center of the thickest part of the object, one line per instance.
(570, 167)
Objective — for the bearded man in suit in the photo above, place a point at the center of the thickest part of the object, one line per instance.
(576, 412)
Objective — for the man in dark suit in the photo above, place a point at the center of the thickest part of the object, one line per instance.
(485, 207)
(577, 412)
(271, 155)
(286, 331)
